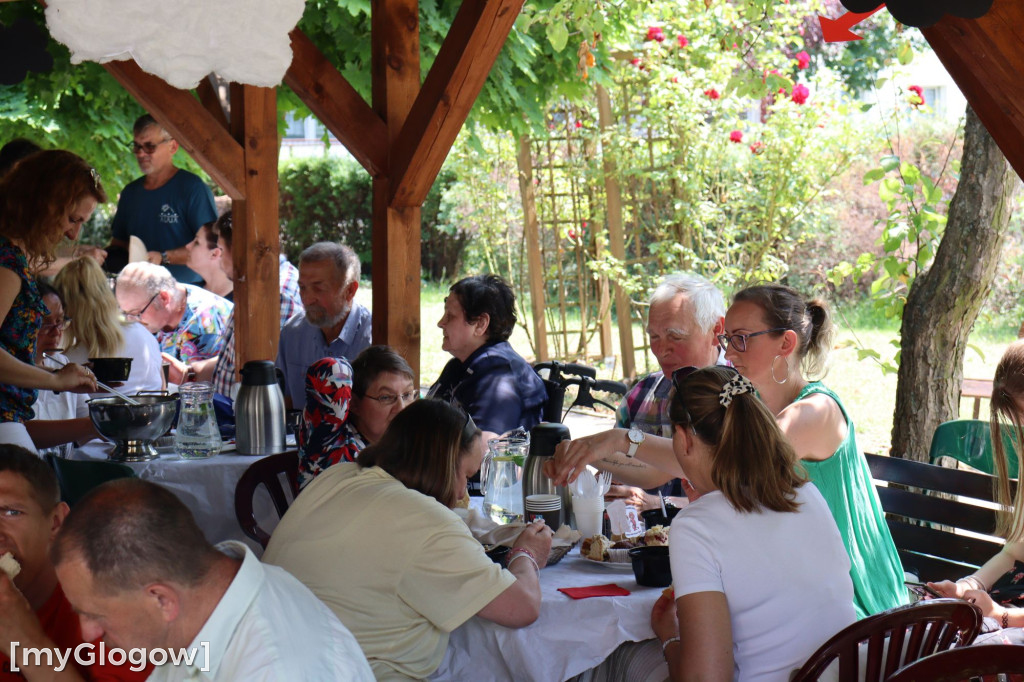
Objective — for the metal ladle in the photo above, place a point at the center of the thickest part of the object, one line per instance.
(108, 389)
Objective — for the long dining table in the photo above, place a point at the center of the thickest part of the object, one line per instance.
(570, 636)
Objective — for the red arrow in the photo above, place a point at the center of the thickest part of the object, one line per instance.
(838, 30)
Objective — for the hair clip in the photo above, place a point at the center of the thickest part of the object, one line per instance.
(95, 178)
(735, 386)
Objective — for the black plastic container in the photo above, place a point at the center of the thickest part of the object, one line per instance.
(651, 566)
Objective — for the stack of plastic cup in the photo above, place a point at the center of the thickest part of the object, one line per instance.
(548, 507)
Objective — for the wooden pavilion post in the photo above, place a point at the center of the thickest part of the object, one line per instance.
(256, 241)
(535, 265)
(616, 239)
(395, 63)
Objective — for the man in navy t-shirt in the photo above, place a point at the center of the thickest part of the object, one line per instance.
(166, 206)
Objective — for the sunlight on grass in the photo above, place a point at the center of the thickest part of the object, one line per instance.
(867, 392)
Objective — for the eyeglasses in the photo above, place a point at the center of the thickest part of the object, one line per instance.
(469, 429)
(389, 399)
(136, 317)
(739, 341)
(58, 326)
(148, 147)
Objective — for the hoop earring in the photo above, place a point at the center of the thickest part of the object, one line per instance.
(773, 370)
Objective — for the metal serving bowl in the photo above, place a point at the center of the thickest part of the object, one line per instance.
(133, 427)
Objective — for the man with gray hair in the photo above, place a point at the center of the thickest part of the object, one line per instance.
(686, 314)
(188, 321)
(332, 324)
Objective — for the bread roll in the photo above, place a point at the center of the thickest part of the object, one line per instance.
(10, 566)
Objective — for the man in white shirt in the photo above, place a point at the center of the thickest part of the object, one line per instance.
(141, 575)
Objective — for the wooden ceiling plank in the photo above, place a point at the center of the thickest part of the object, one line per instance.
(477, 35)
(211, 101)
(191, 125)
(985, 57)
(334, 101)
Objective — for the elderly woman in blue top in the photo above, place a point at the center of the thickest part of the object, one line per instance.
(487, 378)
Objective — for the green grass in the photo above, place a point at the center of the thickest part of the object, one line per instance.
(868, 393)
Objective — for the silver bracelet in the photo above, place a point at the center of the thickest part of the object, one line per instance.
(524, 555)
(974, 580)
(670, 640)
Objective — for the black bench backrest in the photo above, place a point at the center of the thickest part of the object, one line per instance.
(933, 550)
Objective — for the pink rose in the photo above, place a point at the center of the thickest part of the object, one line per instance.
(681, 39)
(579, 124)
(758, 147)
(800, 93)
(736, 136)
(917, 99)
(803, 60)
(655, 33)
(711, 93)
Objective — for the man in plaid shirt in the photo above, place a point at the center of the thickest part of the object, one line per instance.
(686, 314)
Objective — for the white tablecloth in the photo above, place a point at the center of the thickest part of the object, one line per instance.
(205, 486)
(571, 635)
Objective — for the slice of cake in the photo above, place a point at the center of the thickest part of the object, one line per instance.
(656, 536)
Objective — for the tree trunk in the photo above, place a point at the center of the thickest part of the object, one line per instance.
(943, 303)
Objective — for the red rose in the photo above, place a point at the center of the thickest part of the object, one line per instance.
(635, 61)
(758, 147)
(917, 99)
(675, 79)
(655, 33)
(736, 136)
(800, 93)
(803, 60)
(681, 39)
(579, 124)
(711, 93)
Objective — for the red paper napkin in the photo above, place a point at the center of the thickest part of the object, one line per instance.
(609, 590)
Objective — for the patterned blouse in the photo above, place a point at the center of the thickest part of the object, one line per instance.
(19, 332)
(326, 437)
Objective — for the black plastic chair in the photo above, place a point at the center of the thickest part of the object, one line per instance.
(893, 639)
(76, 478)
(966, 663)
(266, 472)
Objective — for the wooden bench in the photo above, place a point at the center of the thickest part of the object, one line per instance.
(977, 389)
(929, 530)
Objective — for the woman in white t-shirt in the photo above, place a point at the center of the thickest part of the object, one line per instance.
(760, 573)
(97, 329)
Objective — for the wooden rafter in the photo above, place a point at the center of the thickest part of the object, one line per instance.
(474, 40)
(334, 101)
(188, 122)
(207, 92)
(986, 59)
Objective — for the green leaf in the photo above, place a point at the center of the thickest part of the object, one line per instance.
(863, 353)
(905, 53)
(558, 35)
(890, 163)
(873, 175)
(911, 173)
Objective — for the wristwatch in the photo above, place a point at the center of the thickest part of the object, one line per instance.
(635, 436)
(164, 258)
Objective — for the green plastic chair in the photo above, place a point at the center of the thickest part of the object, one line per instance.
(967, 441)
(77, 478)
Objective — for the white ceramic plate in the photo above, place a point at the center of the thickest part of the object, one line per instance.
(611, 565)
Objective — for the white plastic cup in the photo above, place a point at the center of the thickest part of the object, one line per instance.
(589, 512)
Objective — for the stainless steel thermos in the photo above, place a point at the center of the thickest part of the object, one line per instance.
(259, 411)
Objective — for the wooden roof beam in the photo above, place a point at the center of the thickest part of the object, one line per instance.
(985, 57)
(208, 95)
(334, 101)
(474, 40)
(189, 123)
